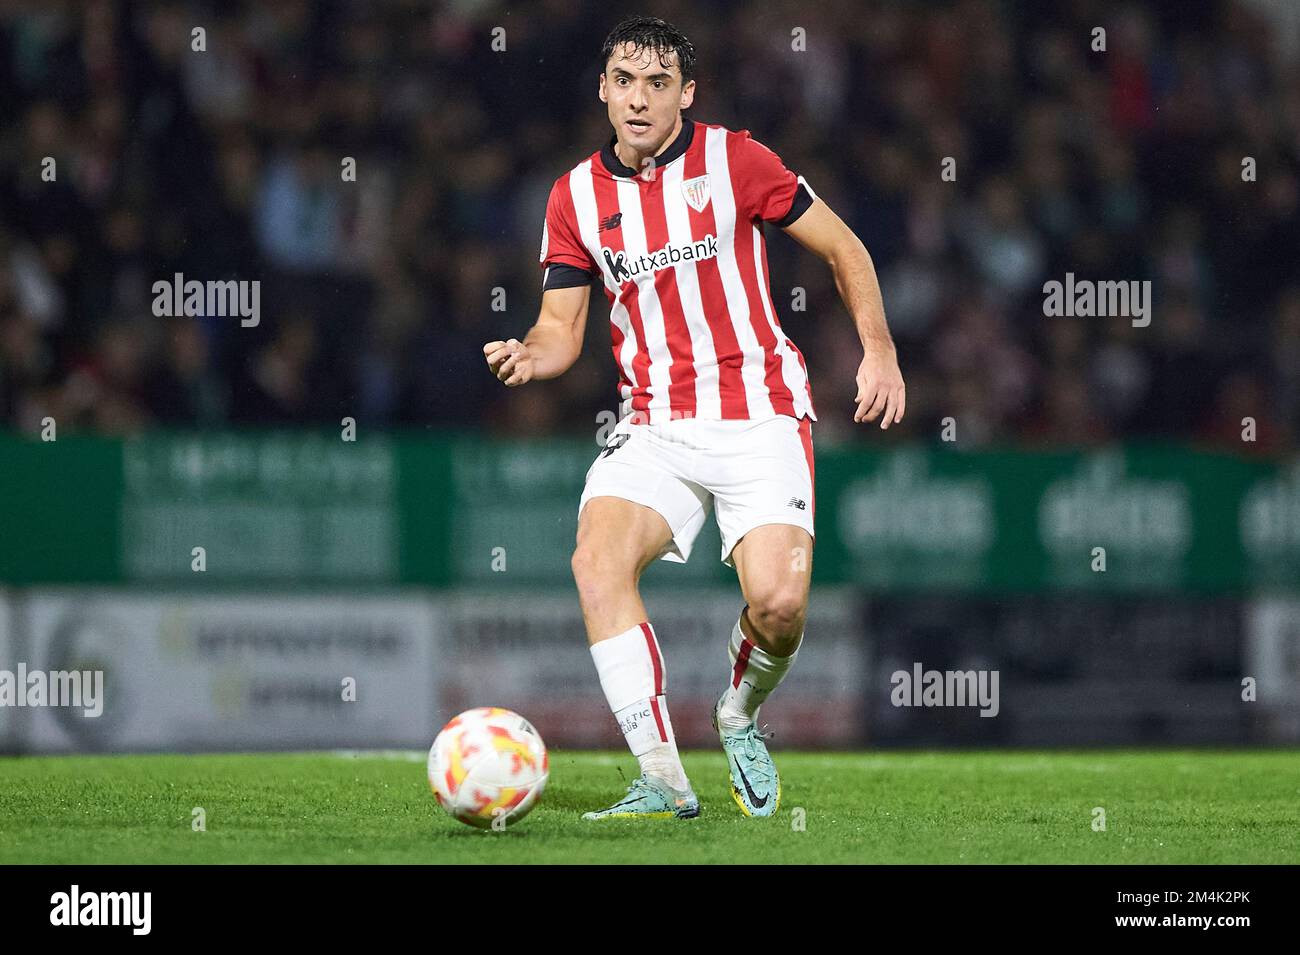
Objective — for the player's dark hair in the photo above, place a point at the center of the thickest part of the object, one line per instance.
(653, 34)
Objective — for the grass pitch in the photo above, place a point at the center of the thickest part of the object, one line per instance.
(1184, 806)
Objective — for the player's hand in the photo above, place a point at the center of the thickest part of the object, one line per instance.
(510, 361)
(880, 386)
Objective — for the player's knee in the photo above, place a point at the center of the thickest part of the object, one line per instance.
(583, 565)
(595, 573)
(779, 616)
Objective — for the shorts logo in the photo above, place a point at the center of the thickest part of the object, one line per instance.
(696, 192)
(797, 502)
(613, 444)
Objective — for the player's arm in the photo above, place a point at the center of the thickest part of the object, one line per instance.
(879, 380)
(551, 346)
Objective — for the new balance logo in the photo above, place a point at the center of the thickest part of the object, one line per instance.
(797, 502)
(611, 222)
(615, 442)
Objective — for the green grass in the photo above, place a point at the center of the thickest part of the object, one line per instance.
(1181, 806)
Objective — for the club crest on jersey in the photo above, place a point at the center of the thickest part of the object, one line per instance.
(696, 192)
(624, 268)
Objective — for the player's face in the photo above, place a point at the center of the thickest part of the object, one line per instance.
(644, 95)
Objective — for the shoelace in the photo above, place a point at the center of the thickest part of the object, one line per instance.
(638, 784)
(751, 738)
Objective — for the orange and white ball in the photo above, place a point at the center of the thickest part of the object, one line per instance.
(488, 763)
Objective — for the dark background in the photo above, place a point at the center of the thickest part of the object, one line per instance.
(376, 295)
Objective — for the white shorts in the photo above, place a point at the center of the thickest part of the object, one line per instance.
(753, 471)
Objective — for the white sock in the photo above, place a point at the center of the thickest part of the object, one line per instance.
(632, 675)
(754, 674)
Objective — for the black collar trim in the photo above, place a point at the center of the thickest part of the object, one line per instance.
(675, 151)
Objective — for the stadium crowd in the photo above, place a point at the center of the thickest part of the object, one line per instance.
(378, 294)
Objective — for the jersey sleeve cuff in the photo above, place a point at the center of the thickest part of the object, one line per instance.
(559, 275)
(803, 198)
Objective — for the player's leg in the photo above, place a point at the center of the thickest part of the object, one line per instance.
(765, 504)
(617, 539)
(774, 565)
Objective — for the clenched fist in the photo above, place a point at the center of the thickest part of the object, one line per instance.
(510, 361)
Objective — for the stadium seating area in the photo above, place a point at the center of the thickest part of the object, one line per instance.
(377, 295)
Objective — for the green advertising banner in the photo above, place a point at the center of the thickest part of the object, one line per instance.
(1136, 519)
(310, 509)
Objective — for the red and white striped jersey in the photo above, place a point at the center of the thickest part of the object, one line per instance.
(681, 253)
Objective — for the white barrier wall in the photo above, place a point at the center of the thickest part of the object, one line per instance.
(1273, 661)
(187, 672)
(261, 671)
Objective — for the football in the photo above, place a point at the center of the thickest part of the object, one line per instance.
(488, 765)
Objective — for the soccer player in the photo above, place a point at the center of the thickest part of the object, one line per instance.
(716, 407)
